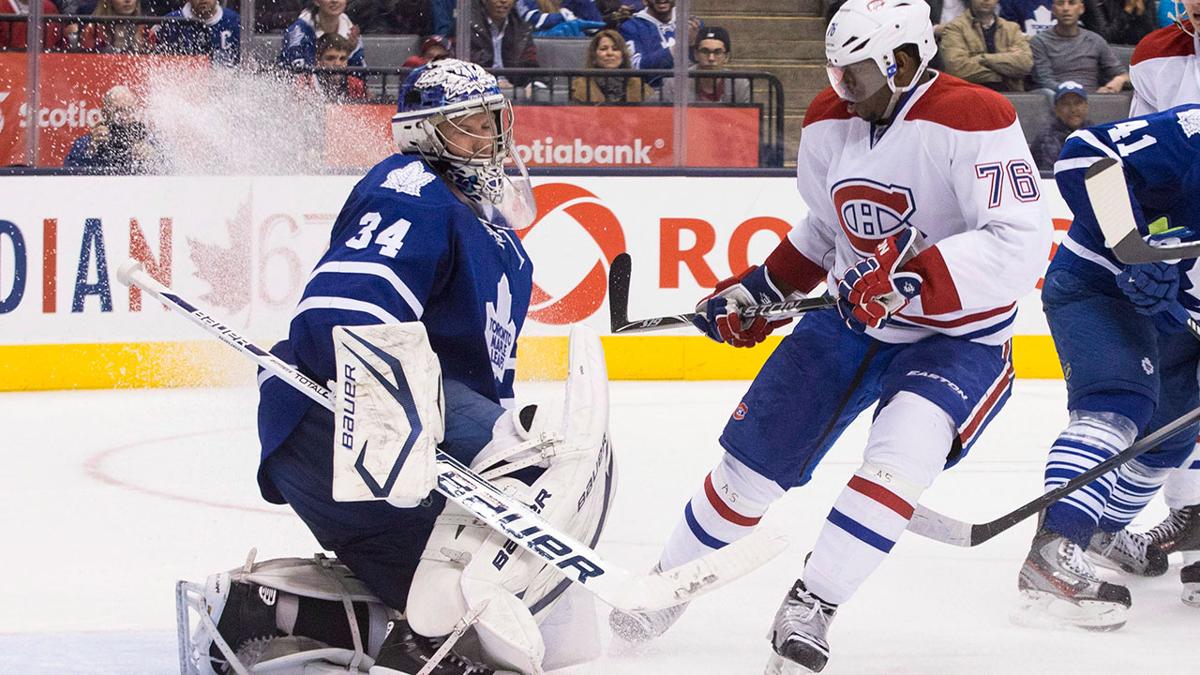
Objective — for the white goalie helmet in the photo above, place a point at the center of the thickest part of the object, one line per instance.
(448, 90)
(861, 41)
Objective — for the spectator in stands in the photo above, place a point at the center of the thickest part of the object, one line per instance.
(1033, 16)
(13, 33)
(942, 12)
(608, 51)
(1168, 11)
(322, 16)
(651, 36)
(115, 37)
(391, 17)
(1125, 22)
(560, 18)
(1070, 115)
(220, 34)
(983, 48)
(432, 48)
(333, 54)
(712, 51)
(499, 39)
(119, 142)
(1069, 52)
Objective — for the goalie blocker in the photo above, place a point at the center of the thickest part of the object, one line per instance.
(468, 575)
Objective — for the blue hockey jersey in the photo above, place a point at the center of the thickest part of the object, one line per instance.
(1160, 154)
(223, 31)
(299, 47)
(404, 248)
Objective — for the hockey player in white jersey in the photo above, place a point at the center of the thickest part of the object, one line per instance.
(1165, 71)
(926, 219)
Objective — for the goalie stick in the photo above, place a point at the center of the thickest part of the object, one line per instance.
(620, 270)
(1109, 195)
(572, 559)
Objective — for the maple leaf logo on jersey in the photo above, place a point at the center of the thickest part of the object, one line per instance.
(409, 180)
(226, 268)
(869, 211)
(1189, 120)
(500, 332)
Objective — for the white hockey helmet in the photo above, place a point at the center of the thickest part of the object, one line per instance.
(447, 90)
(861, 41)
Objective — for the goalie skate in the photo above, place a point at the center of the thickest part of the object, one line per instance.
(798, 636)
(1127, 552)
(1059, 587)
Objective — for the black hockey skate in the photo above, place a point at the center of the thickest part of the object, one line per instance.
(404, 652)
(1127, 552)
(245, 617)
(1190, 576)
(1059, 586)
(1179, 532)
(799, 633)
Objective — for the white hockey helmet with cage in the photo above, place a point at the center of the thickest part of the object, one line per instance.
(861, 41)
(447, 90)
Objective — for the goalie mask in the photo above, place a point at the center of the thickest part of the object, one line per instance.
(453, 114)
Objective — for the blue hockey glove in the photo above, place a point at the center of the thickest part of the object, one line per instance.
(1153, 288)
(875, 289)
(717, 313)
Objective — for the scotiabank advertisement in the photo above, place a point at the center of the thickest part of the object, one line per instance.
(242, 248)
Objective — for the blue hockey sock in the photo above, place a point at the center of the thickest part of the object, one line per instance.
(1088, 440)
(1136, 486)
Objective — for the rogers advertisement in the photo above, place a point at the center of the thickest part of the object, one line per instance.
(73, 85)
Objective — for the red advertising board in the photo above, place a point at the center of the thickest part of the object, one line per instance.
(360, 135)
(72, 86)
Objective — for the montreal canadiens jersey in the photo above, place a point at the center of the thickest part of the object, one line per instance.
(1160, 154)
(404, 248)
(1165, 71)
(953, 164)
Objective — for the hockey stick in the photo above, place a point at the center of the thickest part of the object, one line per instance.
(933, 525)
(620, 270)
(1109, 195)
(509, 516)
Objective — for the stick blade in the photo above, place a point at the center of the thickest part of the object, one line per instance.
(619, 272)
(703, 575)
(1106, 190)
(932, 525)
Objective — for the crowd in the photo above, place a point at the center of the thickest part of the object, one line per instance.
(1006, 45)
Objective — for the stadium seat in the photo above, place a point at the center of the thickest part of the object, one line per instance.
(561, 52)
(379, 51)
(1124, 54)
(1033, 110)
(1104, 108)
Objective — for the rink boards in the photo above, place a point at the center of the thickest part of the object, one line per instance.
(243, 247)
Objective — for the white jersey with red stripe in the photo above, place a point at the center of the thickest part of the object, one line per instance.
(1165, 71)
(954, 164)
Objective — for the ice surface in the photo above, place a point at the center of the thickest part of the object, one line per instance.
(109, 497)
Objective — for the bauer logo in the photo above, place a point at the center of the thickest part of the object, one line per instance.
(571, 221)
(739, 413)
(870, 211)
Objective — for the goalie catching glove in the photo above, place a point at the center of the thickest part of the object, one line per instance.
(718, 314)
(874, 290)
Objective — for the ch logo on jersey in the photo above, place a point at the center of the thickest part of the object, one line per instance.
(870, 212)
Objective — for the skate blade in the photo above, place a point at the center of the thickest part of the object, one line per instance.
(777, 665)
(1038, 609)
(1191, 595)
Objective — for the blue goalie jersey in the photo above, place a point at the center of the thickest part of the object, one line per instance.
(1160, 154)
(404, 248)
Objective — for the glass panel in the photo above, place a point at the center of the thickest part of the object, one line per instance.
(14, 73)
